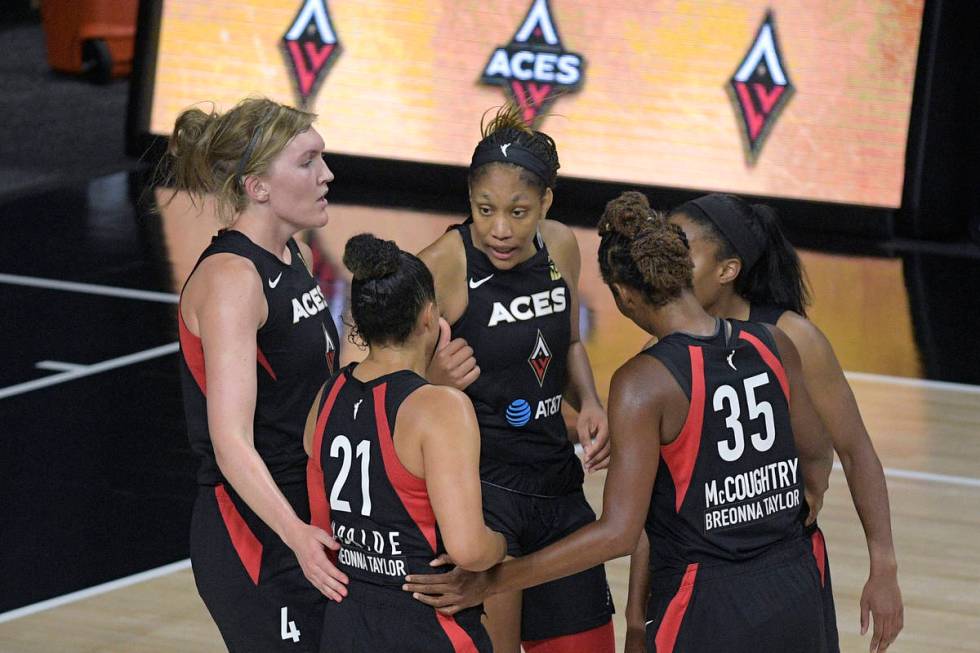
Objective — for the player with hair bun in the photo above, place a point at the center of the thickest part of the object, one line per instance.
(394, 467)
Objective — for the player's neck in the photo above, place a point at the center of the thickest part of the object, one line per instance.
(385, 359)
(271, 235)
(732, 306)
(684, 314)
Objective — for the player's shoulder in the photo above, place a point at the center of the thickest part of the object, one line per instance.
(231, 272)
(445, 253)
(804, 334)
(557, 235)
(646, 375)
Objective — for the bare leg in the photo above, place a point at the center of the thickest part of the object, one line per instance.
(504, 622)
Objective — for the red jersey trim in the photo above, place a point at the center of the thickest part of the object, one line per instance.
(410, 488)
(193, 352)
(315, 486)
(247, 546)
(460, 639)
(264, 362)
(770, 358)
(681, 454)
(670, 625)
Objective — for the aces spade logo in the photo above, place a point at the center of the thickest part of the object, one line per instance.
(760, 87)
(540, 358)
(331, 350)
(311, 47)
(534, 67)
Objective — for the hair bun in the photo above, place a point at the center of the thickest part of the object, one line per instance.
(368, 257)
(626, 214)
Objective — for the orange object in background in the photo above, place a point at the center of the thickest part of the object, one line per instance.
(90, 37)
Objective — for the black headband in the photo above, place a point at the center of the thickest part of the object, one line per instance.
(512, 152)
(242, 162)
(744, 235)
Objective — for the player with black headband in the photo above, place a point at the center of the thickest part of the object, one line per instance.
(716, 448)
(506, 280)
(745, 268)
(394, 467)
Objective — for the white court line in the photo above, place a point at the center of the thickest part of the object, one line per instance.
(88, 370)
(914, 383)
(95, 591)
(89, 288)
(58, 366)
(911, 474)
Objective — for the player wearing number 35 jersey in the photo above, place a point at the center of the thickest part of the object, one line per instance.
(394, 468)
(716, 446)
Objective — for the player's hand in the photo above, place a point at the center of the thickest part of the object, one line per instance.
(593, 434)
(450, 592)
(635, 640)
(453, 363)
(815, 502)
(882, 601)
(309, 544)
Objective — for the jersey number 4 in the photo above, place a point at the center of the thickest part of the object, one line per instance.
(341, 448)
(732, 451)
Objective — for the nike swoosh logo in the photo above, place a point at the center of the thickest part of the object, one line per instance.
(477, 284)
(273, 284)
(648, 623)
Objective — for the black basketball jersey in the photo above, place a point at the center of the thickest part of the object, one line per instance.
(766, 313)
(518, 323)
(730, 486)
(359, 490)
(296, 351)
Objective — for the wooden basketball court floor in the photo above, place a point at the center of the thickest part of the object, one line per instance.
(926, 434)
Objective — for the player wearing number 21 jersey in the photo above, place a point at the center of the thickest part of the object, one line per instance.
(394, 468)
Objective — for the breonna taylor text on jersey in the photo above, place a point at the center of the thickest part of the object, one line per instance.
(297, 350)
(359, 490)
(730, 486)
(518, 322)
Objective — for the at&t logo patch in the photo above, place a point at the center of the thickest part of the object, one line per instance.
(311, 46)
(760, 87)
(518, 413)
(534, 67)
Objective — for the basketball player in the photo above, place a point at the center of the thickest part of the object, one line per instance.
(394, 468)
(745, 268)
(506, 280)
(714, 435)
(257, 342)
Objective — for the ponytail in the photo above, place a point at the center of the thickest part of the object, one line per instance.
(777, 277)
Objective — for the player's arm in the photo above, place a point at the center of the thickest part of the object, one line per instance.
(838, 410)
(453, 363)
(228, 317)
(445, 424)
(580, 391)
(635, 417)
(812, 444)
(637, 596)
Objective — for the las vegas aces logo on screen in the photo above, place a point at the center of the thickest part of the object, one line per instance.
(311, 47)
(534, 67)
(760, 88)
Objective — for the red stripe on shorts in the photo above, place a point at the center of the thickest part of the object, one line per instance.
(670, 625)
(247, 546)
(820, 554)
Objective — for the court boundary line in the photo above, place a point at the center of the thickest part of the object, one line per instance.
(915, 475)
(89, 288)
(96, 590)
(909, 382)
(89, 370)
